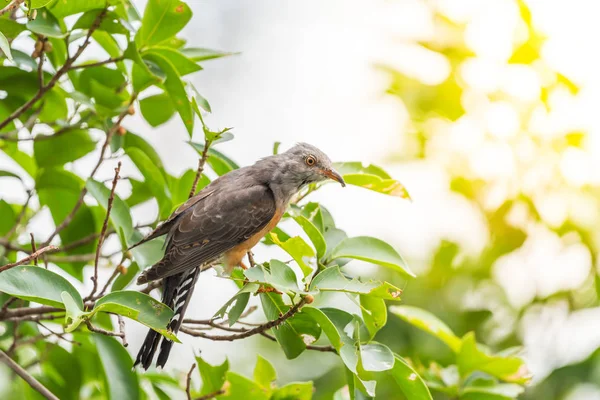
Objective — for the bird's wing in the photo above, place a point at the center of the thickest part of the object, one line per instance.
(213, 226)
(167, 225)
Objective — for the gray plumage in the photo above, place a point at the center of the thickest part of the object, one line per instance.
(225, 219)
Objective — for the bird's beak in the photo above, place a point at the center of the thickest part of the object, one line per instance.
(332, 174)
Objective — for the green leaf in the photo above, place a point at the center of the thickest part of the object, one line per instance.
(314, 234)
(62, 8)
(9, 174)
(376, 357)
(213, 376)
(139, 307)
(264, 373)
(286, 334)
(11, 28)
(123, 280)
(5, 47)
(23, 60)
(470, 358)
(237, 303)
(38, 3)
(372, 250)
(279, 275)
(411, 384)
(201, 54)
(176, 90)
(120, 215)
(371, 177)
(58, 178)
(9, 217)
(374, 313)
(218, 161)
(110, 23)
(294, 391)
(120, 379)
(326, 325)
(74, 314)
(242, 388)
(134, 141)
(298, 249)
(182, 64)
(157, 109)
(497, 392)
(142, 78)
(37, 284)
(153, 178)
(46, 24)
(429, 323)
(162, 19)
(332, 280)
(61, 149)
(148, 253)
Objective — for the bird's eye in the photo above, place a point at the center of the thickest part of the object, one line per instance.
(310, 161)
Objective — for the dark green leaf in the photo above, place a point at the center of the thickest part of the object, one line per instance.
(313, 233)
(38, 3)
(237, 303)
(162, 19)
(64, 148)
(175, 88)
(153, 179)
(120, 379)
(119, 215)
(9, 217)
(37, 284)
(279, 275)
(371, 250)
(148, 253)
(498, 392)
(110, 22)
(123, 280)
(429, 323)
(287, 336)
(62, 8)
(218, 161)
(326, 325)
(46, 24)
(157, 109)
(11, 28)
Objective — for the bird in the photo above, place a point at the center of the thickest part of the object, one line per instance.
(221, 224)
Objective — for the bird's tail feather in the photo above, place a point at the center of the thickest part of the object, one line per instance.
(177, 293)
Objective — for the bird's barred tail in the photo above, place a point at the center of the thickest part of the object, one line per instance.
(177, 293)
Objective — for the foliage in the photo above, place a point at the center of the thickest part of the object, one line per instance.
(49, 324)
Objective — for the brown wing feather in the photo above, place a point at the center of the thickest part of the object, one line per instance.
(213, 226)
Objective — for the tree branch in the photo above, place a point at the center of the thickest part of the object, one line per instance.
(99, 63)
(251, 332)
(63, 70)
(34, 383)
(111, 198)
(188, 382)
(201, 163)
(28, 258)
(211, 395)
(11, 7)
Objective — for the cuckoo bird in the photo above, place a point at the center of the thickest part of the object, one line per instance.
(221, 224)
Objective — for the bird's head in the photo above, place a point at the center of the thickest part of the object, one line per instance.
(310, 165)
(299, 166)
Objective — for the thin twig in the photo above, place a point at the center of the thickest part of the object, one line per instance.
(99, 63)
(33, 249)
(59, 335)
(264, 327)
(201, 163)
(188, 382)
(63, 70)
(41, 63)
(121, 321)
(26, 311)
(104, 331)
(34, 383)
(28, 258)
(11, 7)
(324, 349)
(211, 395)
(111, 198)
